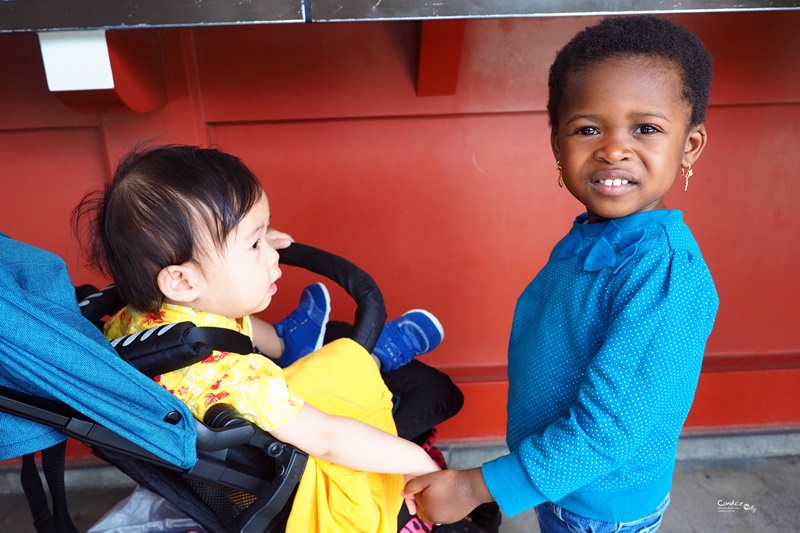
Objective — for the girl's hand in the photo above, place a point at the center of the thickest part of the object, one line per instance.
(447, 496)
(278, 239)
(411, 504)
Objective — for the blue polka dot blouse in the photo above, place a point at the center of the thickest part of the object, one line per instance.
(603, 361)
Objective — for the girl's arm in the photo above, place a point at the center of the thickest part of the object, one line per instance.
(353, 444)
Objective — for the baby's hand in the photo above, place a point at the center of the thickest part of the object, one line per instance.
(278, 239)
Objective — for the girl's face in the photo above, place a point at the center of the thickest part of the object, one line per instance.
(240, 279)
(623, 134)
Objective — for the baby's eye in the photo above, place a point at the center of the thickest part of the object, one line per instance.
(255, 244)
(646, 129)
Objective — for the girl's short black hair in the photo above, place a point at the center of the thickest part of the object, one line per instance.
(161, 202)
(636, 35)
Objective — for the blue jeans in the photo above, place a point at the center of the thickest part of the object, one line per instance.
(556, 519)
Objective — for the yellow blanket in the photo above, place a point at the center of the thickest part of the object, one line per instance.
(341, 378)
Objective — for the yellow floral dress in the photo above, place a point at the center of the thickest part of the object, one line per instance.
(341, 378)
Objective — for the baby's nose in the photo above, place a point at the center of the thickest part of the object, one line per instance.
(273, 257)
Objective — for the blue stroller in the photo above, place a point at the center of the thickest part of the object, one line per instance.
(223, 472)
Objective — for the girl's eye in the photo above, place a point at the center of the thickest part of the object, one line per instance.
(647, 129)
(587, 130)
(255, 244)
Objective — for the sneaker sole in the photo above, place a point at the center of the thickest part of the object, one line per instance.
(325, 318)
(432, 319)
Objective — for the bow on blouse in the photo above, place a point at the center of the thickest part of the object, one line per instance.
(610, 249)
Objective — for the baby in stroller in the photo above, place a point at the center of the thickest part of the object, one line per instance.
(183, 231)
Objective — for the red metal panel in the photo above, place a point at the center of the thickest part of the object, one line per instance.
(45, 173)
(741, 206)
(25, 101)
(182, 120)
(483, 416)
(138, 73)
(755, 55)
(440, 47)
(451, 202)
(746, 400)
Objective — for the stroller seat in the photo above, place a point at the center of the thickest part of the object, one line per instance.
(242, 478)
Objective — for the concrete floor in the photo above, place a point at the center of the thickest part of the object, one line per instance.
(760, 470)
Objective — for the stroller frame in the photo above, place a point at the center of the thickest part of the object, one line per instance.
(223, 438)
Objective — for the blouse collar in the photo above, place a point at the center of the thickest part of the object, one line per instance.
(613, 243)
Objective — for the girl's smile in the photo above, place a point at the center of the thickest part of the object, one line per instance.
(624, 135)
(613, 181)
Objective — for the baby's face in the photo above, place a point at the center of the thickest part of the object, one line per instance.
(622, 136)
(240, 279)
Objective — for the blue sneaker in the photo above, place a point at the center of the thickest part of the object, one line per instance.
(402, 339)
(304, 329)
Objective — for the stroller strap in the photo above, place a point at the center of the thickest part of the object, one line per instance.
(172, 346)
(163, 348)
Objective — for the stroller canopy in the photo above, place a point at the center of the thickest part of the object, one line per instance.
(47, 349)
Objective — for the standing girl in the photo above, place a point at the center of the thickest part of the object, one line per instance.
(607, 340)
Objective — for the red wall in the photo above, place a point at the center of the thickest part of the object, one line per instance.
(451, 202)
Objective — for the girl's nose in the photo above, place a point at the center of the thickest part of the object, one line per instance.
(614, 148)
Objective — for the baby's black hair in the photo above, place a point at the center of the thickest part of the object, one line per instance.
(161, 202)
(637, 35)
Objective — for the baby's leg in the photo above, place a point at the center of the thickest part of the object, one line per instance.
(303, 330)
(414, 333)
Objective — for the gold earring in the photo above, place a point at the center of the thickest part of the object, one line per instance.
(560, 177)
(686, 174)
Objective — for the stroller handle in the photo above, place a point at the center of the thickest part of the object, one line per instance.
(370, 312)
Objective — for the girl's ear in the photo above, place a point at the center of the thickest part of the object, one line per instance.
(695, 143)
(179, 283)
(554, 144)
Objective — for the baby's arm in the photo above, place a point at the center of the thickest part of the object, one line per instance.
(353, 444)
(266, 339)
